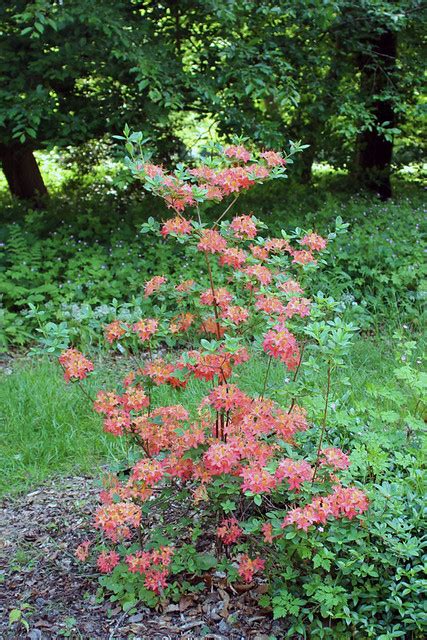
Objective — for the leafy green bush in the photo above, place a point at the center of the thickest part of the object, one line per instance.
(367, 578)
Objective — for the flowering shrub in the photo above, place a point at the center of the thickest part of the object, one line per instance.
(236, 458)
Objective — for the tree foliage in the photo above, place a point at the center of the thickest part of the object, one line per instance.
(316, 70)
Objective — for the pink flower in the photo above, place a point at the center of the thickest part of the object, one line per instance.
(295, 471)
(153, 285)
(273, 159)
(233, 257)
(82, 550)
(114, 331)
(145, 328)
(155, 580)
(135, 399)
(185, 286)
(76, 366)
(303, 257)
(262, 274)
(221, 457)
(227, 397)
(107, 561)
(178, 226)
(238, 152)
(212, 241)
(106, 402)
(335, 458)
(297, 307)
(139, 562)
(150, 472)
(243, 227)
(290, 286)
(280, 343)
(247, 567)
(257, 480)
(267, 531)
(229, 531)
(314, 242)
(343, 502)
(269, 304)
(222, 297)
(347, 502)
(236, 315)
(117, 422)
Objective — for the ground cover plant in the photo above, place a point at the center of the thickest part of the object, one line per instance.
(81, 271)
(234, 461)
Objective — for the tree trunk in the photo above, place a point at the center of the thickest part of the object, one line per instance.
(307, 159)
(374, 152)
(23, 174)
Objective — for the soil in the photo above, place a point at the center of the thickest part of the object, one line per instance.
(57, 595)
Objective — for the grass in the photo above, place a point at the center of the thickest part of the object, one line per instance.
(50, 428)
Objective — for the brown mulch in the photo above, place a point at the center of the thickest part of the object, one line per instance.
(57, 595)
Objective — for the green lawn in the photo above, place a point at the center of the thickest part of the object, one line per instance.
(50, 428)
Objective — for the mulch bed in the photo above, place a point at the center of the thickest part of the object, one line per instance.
(40, 532)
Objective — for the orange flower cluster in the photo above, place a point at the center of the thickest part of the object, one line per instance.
(153, 565)
(115, 330)
(82, 551)
(335, 458)
(212, 241)
(220, 297)
(76, 366)
(237, 315)
(181, 323)
(229, 531)
(146, 328)
(342, 503)
(314, 242)
(178, 226)
(233, 257)
(280, 343)
(270, 305)
(107, 560)
(248, 567)
(116, 519)
(243, 227)
(153, 285)
(242, 172)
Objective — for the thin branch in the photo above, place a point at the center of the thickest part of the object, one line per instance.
(325, 413)
(266, 377)
(225, 212)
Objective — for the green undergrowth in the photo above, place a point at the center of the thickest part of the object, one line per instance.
(82, 263)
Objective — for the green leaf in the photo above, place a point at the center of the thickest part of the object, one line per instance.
(14, 616)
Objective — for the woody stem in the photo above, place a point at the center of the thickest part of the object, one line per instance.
(208, 266)
(296, 375)
(266, 377)
(218, 332)
(325, 413)
(225, 212)
(85, 392)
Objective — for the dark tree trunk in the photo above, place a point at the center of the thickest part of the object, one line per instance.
(23, 174)
(374, 152)
(307, 159)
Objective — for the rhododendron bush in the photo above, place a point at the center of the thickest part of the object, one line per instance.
(252, 495)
